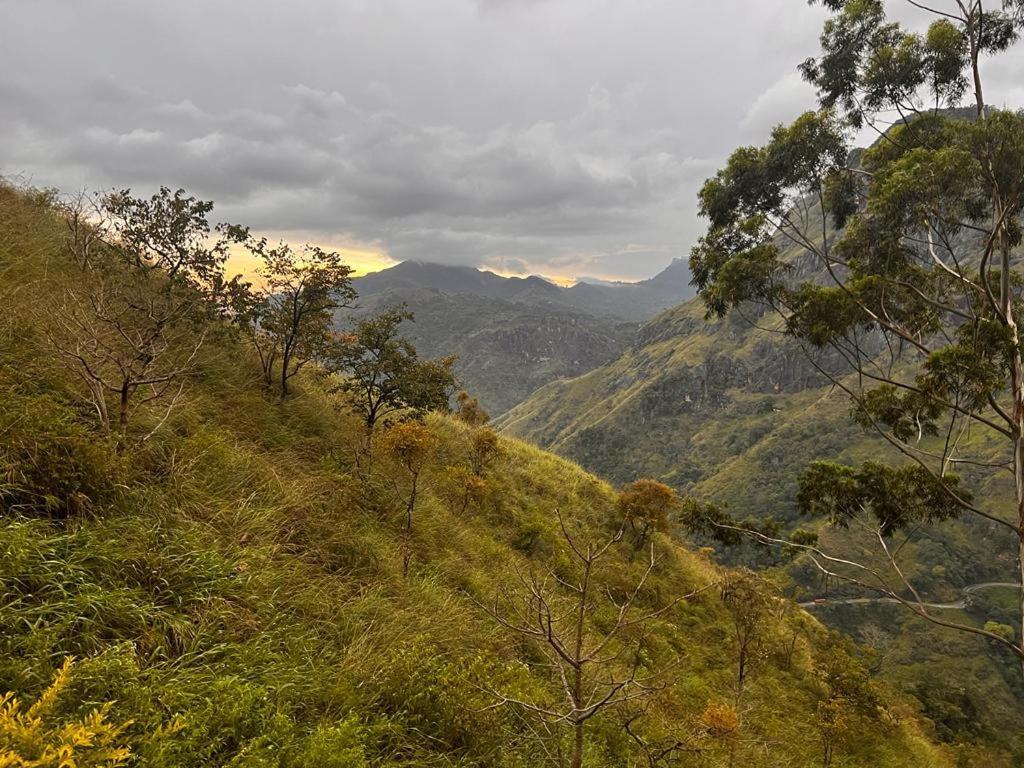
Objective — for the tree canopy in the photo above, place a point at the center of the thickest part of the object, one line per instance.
(893, 268)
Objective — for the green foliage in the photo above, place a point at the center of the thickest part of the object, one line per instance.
(381, 374)
(233, 591)
(288, 317)
(912, 309)
(646, 505)
(169, 235)
(50, 464)
(897, 497)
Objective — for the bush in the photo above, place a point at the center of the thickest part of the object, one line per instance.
(35, 737)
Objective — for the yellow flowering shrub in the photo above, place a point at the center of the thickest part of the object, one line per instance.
(34, 737)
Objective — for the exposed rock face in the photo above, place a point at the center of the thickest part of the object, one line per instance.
(576, 345)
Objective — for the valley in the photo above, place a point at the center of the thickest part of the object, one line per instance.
(514, 335)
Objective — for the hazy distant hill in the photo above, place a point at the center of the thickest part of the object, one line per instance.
(626, 301)
(514, 334)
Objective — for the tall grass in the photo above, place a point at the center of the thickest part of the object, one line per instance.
(233, 586)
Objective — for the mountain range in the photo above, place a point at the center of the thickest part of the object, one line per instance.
(515, 334)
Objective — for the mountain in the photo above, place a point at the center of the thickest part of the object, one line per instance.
(442, 278)
(634, 301)
(732, 413)
(235, 586)
(619, 300)
(513, 335)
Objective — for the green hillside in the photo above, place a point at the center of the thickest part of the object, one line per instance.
(732, 413)
(505, 349)
(231, 589)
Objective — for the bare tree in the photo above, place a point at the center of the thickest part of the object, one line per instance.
(135, 320)
(88, 225)
(659, 752)
(118, 351)
(745, 597)
(596, 670)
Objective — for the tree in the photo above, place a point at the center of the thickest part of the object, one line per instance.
(893, 269)
(847, 704)
(288, 317)
(470, 411)
(596, 669)
(169, 234)
(484, 449)
(645, 505)
(412, 445)
(465, 486)
(748, 602)
(381, 373)
(88, 225)
(139, 311)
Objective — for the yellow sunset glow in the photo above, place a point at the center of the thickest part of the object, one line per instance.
(362, 258)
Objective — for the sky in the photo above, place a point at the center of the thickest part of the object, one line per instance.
(555, 137)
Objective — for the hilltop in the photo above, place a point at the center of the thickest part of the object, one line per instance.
(231, 588)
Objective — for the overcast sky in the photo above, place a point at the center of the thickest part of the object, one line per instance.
(560, 137)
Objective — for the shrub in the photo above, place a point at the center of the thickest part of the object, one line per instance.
(34, 737)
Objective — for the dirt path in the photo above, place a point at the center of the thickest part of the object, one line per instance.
(959, 605)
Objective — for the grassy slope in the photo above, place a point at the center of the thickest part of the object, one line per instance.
(234, 585)
(665, 410)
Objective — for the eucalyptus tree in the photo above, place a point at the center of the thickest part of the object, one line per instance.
(895, 269)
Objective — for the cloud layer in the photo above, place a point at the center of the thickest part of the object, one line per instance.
(555, 136)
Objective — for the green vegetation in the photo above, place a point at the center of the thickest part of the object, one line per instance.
(236, 590)
(288, 317)
(512, 335)
(878, 284)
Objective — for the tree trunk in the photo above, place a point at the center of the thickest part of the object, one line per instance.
(285, 360)
(122, 417)
(577, 682)
(1017, 382)
(577, 745)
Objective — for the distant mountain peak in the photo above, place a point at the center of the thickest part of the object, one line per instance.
(634, 302)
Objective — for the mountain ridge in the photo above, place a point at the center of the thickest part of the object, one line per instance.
(516, 334)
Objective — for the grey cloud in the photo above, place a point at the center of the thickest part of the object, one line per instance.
(534, 135)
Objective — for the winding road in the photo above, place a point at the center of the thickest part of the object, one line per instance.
(959, 605)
